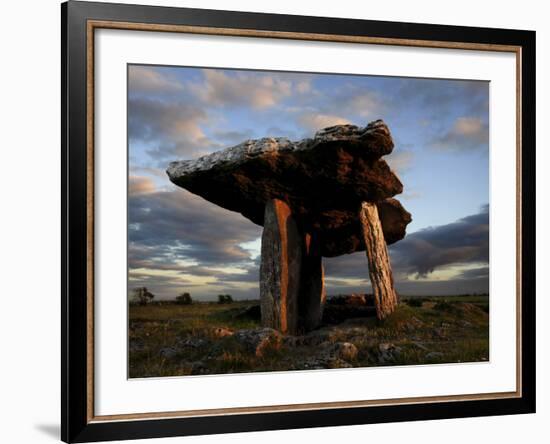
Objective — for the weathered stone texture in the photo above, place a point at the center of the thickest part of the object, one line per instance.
(380, 271)
(280, 268)
(306, 194)
(322, 180)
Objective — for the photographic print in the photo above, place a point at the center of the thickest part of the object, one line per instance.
(285, 221)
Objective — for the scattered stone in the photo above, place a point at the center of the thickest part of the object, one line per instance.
(338, 363)
(293, 341)
(221, 332)
(198, 368)
(136, 345)
(168, 352)
(322, 362)
(344, 350)
(317, 337)
(258, 340)
(388, 352)
(385, 346)
(193, 342)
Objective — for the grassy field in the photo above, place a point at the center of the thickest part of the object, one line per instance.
(210, 338)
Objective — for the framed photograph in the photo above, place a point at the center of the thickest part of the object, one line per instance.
(275, 221)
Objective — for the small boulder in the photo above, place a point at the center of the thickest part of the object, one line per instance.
(136, 345)
(192, 342)
(258, 340)
(168, 352)
(345, 350)
(198, 368)
(221, 332)
(388, 352)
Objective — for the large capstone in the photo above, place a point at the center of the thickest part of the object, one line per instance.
(323, 180)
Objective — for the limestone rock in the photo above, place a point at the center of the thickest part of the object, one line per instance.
(345, 350)
(280, 268)
(323, 180)
(258, 340)
(380, 271)
(221, 332)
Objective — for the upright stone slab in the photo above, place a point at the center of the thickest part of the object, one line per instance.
(281, 260)
(381, 277)
(312, 285)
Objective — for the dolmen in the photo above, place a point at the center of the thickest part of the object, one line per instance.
(318, 197)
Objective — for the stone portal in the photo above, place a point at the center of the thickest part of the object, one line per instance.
(319, 197)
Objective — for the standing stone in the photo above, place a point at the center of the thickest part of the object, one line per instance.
(312, 285)
(385, 296)
(280, 267)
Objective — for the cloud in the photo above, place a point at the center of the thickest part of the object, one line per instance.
(465, 241)
(232, 136)
(475, 273)
(458, 252)
(400, 161)
(315, 122)
(259, 90)
(178, 239)
(439, 98)
(138, 185)
(366, 104)
(190, 226)
(172, 129)
(148, 80)
(466, 133)
(154, 119)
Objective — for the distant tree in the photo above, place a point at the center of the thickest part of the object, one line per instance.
(141, 296)
(184, 299)
(225, 299)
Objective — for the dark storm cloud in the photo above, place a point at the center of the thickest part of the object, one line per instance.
(415, 287)
(475, 273)
(190, 226)
(177, 240)
(465, 241)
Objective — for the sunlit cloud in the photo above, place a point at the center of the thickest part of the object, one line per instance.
(316, 122)
(150, 80)
(241, 88)
(466, 133)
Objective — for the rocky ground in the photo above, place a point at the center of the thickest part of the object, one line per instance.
(209, 338)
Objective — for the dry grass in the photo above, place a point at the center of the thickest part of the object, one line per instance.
(171, 340)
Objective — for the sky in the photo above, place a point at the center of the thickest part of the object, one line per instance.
(179, 242)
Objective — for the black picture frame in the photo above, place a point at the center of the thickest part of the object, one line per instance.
(76, 424)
